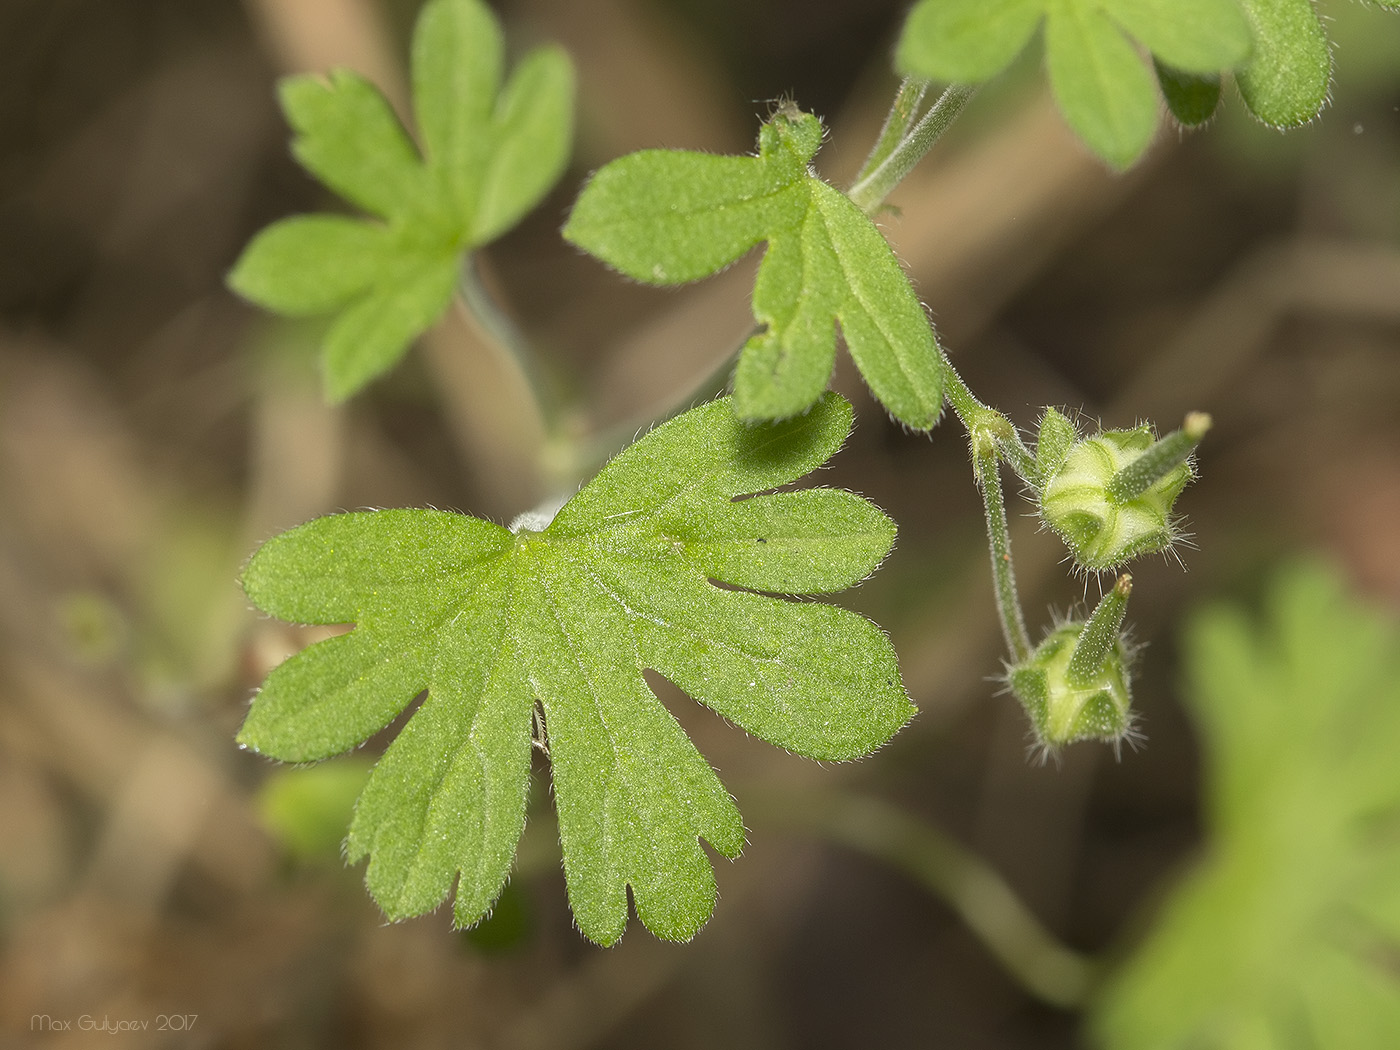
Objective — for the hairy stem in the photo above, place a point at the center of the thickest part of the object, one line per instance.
(993, 437)
(871, 188)
(1047, 969)
(900, 118)
(986, 464)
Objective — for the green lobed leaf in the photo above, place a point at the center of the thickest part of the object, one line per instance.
(1102, 86)
(531, 152)
(1280, 934)
(311, 264)
(1196, 36)
(347, 135)
(965, 41)
(489, 154)
(1100, 81)
(1285, 82)
(492, 623)
(668, 217)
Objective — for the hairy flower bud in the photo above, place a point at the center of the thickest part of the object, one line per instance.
(1075, 685)
(1110, 496)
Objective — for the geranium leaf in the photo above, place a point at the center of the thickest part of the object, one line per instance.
(667, 217)
(489, 155)
(1100, 82)
(1286, 925)
(492, 623)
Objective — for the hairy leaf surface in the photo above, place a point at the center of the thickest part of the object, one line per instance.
(1102, 85)
(488, 154)
(492, 623)
(1285, 932)
(1285, 83)
(670, 216)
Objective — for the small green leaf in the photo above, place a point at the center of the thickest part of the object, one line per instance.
(667, 217)
(536, 106)
(966, 41)
(1198, 36)
(369, 338)
(1285, 83)
(1191, 97)
(489, 156)
(350, 139)
(458, 61)
(493, 623)
(310, 264)
(1102, 86)
(1100, 81)
(1285, 930)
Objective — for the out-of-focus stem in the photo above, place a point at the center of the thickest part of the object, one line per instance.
(971, 887)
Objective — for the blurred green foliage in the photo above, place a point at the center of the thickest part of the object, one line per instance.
(1286, 933)
(308, 808)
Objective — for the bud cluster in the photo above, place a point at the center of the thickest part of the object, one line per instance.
(1109, 497)
(1075, 685)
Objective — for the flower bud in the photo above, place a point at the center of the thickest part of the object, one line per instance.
(1075, 685)
(1110, 496)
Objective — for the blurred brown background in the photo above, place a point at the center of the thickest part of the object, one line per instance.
(153, 430)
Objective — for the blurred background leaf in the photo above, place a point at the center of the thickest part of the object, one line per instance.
(1286, 932)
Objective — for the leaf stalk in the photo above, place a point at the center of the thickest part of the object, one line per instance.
(871, 188)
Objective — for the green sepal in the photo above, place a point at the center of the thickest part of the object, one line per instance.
(669, 217)
(493, 623)
(1056, 437)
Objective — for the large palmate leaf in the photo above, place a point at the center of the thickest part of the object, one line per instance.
(488, 154)
(672, 216)
(492, 622)
(1286, 932)
(1101, 83)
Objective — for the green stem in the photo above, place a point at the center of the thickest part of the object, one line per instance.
(903, 110)
(871, 189)
(971, 887)
(992, 437)
(986, 463)
(501, 329)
